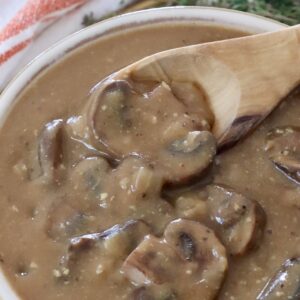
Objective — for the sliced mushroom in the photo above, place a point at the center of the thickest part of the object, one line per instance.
(134, 230)
(109, 117)
(64, 221)
(70, 216)
(117, 241)
(206, 256)
(285, 284)
(129, 122)
(189, 156)
(190, 259)
(111, 120)
(240, 221)
(283, 149)
(50, 150)
(125, 119)
(77, 145)
(87, 241)
(152, 262)
(89, 176)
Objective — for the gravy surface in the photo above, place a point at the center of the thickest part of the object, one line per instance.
(46, 247)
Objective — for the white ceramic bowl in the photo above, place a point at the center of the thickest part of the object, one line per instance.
(228, 18)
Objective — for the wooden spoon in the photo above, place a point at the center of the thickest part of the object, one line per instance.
(243, 78)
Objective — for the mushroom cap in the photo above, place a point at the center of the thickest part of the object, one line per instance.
(127, 121)
(198, 244)
(240, 221)
(283, 149)
(189, 157)
(115, 243)
(190, 259)
(152, 262)
(64, 221)
(89, 177)
(50, 150)
(135, 230)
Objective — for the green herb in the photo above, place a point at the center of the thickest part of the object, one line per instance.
(286, 11)
(90, 19)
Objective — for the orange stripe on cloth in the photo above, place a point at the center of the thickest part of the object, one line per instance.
(32, 12)
(14, 50)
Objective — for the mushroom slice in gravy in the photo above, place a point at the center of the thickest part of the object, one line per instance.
(113, 240)
(189, 156)
(285, 285)
(89, 176)
(134, 230)
(64, 221)
(111, 120)
(189, 256)
(50, 150)
(152, 262)
(240, 221)
(283, 148)
(126, 121)
(70, 216)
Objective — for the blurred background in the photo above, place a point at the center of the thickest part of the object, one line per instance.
(28, 27)
(286, 11)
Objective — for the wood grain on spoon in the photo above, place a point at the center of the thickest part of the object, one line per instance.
(243, 79)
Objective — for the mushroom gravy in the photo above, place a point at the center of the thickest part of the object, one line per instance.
(121, 195)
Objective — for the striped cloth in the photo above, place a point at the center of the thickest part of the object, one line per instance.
(27, 27)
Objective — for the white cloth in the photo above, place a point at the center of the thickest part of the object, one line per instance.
(43, 23)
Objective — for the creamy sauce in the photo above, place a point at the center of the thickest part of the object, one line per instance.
(43, 213)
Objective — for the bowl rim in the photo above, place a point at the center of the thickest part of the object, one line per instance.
(86, 35)
(213, 15)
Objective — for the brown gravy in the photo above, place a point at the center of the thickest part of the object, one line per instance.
(77, 229)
